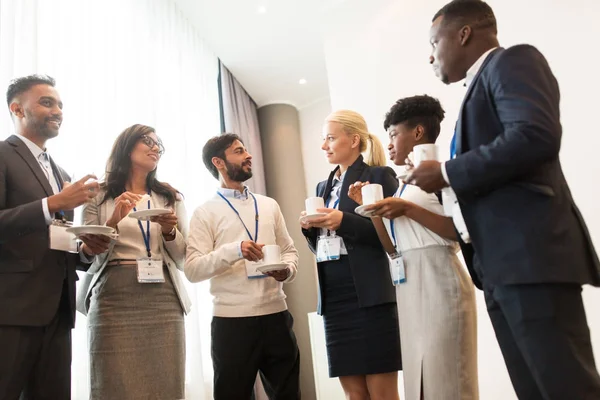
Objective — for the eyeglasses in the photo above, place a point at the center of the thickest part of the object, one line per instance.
(148, 141)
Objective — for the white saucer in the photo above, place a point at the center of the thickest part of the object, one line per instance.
(144, 215)
(311, 217)
(402, 175)
(92, 230)
(271, 267)
(360, 210)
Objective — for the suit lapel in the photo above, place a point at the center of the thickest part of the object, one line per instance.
(353, 174)
(327, 191)
(23, 151)
(458, 126)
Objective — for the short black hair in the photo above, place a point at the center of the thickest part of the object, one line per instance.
(475, 13)
(215, 147)
(23, 84)
(417, 110)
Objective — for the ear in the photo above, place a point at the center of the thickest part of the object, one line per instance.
(16, 109)
(464, 34)
(419, 133)
(355, 141)
(219, 163)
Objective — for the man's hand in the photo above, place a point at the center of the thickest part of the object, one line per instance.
(331, 221)
(94, 244)
(252, 251)
(280, 275)
(73, 195)
(428, 176)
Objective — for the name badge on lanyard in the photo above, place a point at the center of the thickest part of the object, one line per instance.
(397, 269)
(149, 269)
(251, 271)
(329, 246)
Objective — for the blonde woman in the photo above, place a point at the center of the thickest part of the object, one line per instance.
(436, 303)
(356, 296)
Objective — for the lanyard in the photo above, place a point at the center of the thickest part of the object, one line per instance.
(453, 146)
(335, 203)
(58, 185)
(146, 235)
(392, 221)
(241, 220)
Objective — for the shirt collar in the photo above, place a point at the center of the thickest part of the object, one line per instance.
(471, 72)
(234, 193)
(340, 178)
(34, 148)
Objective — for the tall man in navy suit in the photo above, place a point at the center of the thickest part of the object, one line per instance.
(529, 247)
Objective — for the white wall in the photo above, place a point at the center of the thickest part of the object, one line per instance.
(316, 167)
(377, 52)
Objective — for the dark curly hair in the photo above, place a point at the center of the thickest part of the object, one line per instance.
(417, 110)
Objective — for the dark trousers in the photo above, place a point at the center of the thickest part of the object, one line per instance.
(545, 340)
(243, 347)
(35, 362)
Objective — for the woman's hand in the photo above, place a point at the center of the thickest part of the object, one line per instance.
(303, 222)
(123, 206)
(355, 192)
(390, 207)
(331, 221)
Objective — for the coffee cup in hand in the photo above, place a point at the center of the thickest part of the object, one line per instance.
(271, 254)
(424, 152)
(372, 193)
(312, 204)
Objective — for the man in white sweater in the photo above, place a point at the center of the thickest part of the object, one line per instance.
(251, 328)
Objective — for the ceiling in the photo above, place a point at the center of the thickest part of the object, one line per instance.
(268, 45)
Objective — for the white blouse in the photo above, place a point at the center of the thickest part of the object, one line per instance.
(410, 234)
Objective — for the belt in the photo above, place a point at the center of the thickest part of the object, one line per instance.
(121, 262)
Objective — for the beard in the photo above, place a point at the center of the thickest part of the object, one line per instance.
(236, 172)
(41, 126)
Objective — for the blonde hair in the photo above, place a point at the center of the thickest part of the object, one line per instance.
(354, 124)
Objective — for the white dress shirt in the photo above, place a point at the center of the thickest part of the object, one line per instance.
(333, 202)
(43, 160)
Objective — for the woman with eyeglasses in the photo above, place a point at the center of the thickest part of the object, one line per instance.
(133, 293)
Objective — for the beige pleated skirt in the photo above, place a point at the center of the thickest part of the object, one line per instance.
(438, 326)
(136, 337)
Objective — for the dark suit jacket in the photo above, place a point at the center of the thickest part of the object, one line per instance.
(368, 261)
(31, 275)
(524, 225)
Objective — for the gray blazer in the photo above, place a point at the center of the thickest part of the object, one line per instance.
(173, 252)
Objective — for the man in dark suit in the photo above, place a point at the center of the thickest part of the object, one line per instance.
(37, 282)
(530, 250)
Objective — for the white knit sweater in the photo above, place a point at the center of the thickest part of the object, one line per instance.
(214, 253)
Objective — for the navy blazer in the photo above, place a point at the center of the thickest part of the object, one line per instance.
(31, 275)
(368, 260)
(517, 206)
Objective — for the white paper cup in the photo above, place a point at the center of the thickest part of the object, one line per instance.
(424, 152)
(372, 193)
(271, 254)
(312, 204)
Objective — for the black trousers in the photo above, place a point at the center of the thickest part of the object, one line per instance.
(545, 340)
(35, 362)
(243, 347)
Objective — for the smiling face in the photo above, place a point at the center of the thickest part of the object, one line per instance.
(38, 112)
(339, 147)
(238, 162)
(147, 152)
